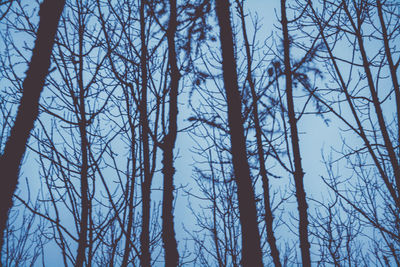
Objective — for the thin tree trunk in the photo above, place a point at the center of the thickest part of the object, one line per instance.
(214, 199)
(392, 67)
(359, 129)
(298, 169)
(260, 151)
(28, 110)
(375, 100)
(144, 126)
(251, 248)
(168, 232)
(83, 224)
(131, 189)
(127, 249)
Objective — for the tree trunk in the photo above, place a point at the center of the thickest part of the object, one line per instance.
(83, 224)
(168, 232)
(85, 205)
(269, 219)
(131, 189)
(28, 110)
(251, 248)
(392, 67)
(144, 124)
(298, 169)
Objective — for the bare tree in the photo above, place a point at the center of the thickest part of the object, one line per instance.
(103, 157)
(147, 178)
(251, 248)
(260, 150)
(11, 157)
(168, 233)
(144, 92)
(359, 97)
(298, 174)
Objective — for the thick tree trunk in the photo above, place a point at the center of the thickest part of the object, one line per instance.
(28, 110)
(168, 232)
(298, 169)
(251, 248)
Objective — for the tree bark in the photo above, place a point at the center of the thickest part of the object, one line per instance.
(28, 110)
(298, 169)
(251, 248)
(168, 232)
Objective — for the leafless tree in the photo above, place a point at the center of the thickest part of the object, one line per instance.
(298, 173)
(260, 150)
(103, 166)
(14, 149)
(362, 94)
(168, 232)
(251, 243)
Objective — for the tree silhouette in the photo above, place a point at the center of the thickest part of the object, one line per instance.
(251, 248)
(186, 133)
(14, 150)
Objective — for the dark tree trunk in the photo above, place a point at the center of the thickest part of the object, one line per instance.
(131, 189)
(392, 67)
(168, 232)
(83, 224)
(28, 110)
(251, 248)
(298, 169)
(145, 257)
(84, 190)
(269, 219)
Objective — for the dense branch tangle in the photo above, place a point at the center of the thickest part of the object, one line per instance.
(143, 98)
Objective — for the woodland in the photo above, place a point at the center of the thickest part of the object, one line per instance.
(199, 133)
